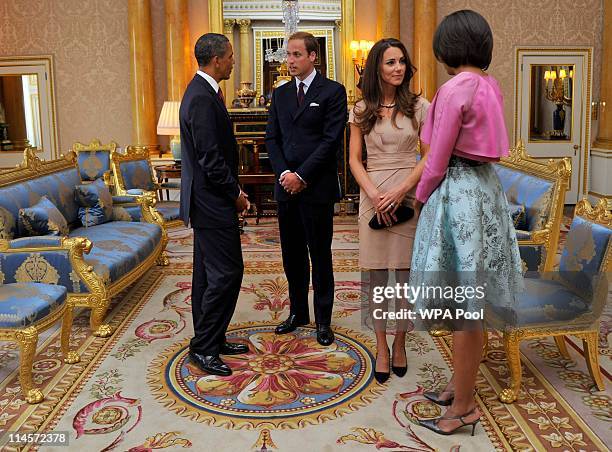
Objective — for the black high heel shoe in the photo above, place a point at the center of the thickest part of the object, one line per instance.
(435, 397)
(381, 377)
(400, 371)
(432, 424)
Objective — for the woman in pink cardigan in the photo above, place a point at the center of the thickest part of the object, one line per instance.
(465, 237)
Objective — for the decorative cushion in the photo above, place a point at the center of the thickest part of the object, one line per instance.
(93, 164)
(119, 246)
(518, 215)
(43, 218)
(96, 203)
(22, 304)
(58, 187)
(137, 174)
(8, 224)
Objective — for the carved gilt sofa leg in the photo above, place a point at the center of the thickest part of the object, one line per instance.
(27, 340)
(70, 357)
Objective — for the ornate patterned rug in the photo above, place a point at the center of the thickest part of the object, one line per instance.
(137, 391)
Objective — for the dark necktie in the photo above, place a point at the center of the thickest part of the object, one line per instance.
(300, 96)
(220, 94)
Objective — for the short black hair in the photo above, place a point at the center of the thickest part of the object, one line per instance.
(464, 38)
(209, 46)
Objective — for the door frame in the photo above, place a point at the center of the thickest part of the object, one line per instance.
(585, 57)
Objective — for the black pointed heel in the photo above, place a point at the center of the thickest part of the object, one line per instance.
(432, 424)
(381, 377)
(435, 398)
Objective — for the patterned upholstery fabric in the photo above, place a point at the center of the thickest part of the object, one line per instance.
(58, 187)
(119, 246)
(532, 192)
(564, 296)
(42, 218)
(583, 255)
(543, 302)
(93, 164)
(23, 304)
(50, 267)
(95, 201)
(168, 209)
(34, 242)
(518, 215)
(124, 199)
(127, 212)
(8, 224)
(137, 174)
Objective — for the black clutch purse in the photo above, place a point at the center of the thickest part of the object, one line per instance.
(403, 214)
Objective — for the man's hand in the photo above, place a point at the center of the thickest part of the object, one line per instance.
(242, 203)
(292, 183)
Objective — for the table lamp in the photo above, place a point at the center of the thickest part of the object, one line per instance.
(168, 124)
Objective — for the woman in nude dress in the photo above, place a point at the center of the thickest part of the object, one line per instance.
(388, 119)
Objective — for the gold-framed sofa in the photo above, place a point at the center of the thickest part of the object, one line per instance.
(568, 301)
(134, 176)
(94, 263)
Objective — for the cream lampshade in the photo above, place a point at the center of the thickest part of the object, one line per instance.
(168, 124)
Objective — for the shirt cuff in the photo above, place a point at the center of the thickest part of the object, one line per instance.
(284, 172)
(300, 178)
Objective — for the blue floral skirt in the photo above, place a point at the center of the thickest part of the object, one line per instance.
(465, 238)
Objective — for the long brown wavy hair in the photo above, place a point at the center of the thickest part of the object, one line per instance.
(371, 88)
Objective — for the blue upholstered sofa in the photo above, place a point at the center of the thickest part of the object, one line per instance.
(536, 189)
(94, 263)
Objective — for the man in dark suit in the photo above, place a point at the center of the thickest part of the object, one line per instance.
(210, 200)
(305, 128)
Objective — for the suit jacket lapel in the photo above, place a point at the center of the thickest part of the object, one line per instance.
(215, 96)
(291, 98)
(312, 92)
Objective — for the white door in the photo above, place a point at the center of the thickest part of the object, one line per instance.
(552, 108)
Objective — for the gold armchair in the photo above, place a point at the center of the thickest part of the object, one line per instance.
(568, 301)
(134, 176)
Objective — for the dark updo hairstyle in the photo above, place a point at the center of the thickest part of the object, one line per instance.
(371, 88)
(464, 38)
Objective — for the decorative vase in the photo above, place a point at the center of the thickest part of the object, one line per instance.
(246, 95)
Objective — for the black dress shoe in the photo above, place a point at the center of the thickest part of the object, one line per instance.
(210, 364)
(289, 325)
(325, 335)
(231, 348)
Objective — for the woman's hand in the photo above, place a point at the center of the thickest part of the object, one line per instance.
(382, 217)
(391, 200)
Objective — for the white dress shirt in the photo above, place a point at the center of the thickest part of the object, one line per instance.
(307, 82)
(210, 80)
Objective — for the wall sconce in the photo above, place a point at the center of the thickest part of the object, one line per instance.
(359, 54)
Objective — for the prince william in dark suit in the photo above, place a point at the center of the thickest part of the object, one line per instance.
(210, 200)
(306, 123)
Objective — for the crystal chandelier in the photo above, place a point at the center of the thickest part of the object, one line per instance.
(291, 18)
